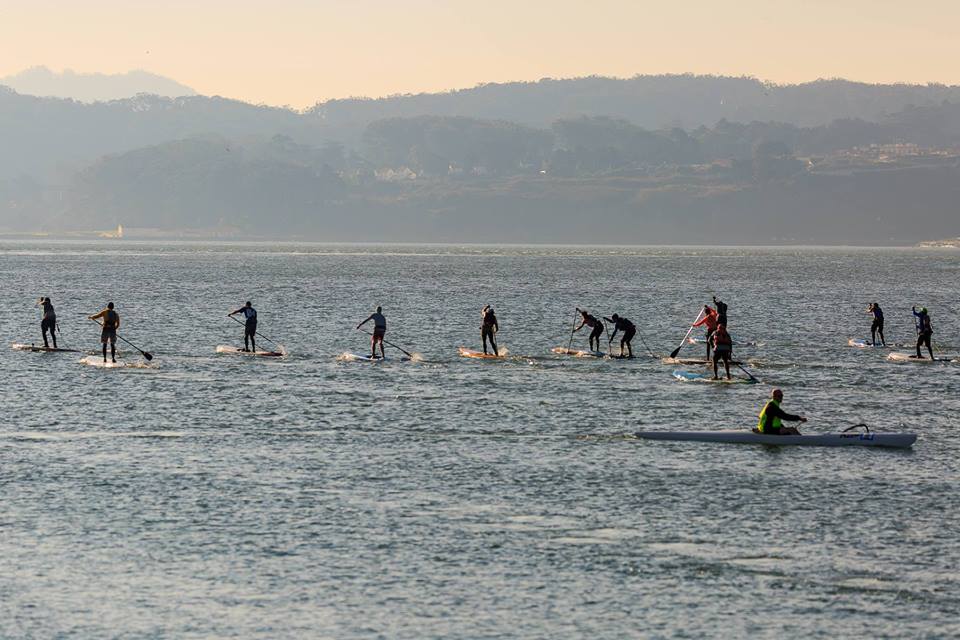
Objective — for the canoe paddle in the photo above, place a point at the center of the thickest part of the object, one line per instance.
(256, 332)
(387, 342)
(146, 354)
(673, 354)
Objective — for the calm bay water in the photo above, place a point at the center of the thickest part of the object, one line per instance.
(219, 496)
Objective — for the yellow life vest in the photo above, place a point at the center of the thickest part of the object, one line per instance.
(776, 423)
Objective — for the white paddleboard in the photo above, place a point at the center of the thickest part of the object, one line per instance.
(690, 376)
(577, 353)
(36, 349)
(225, 348)
(98, 361)
(357, 357)
(900, 356)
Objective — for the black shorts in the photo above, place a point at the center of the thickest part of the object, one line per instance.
(877, 325)
(628, 335)
(597, 331)
(250, 328)
(486, 332)
(48, 324)
(721, 353)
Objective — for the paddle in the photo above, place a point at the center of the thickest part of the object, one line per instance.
(752, 377)
(145, 354)
(387, 342)
(673, 354)
(256, 332)
(573, 328)
(649, 350)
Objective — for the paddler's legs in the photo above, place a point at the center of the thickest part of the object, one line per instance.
(595, 336)
(483, 336)
(104, 350)
(929, 347)
(919, 344)
(726, 365)
(113, 351)
(43, 329)
(883, 340)
(709, 335)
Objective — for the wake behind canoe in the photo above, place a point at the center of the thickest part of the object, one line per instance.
(738, 436)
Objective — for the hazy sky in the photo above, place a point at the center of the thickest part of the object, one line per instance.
(298, 52)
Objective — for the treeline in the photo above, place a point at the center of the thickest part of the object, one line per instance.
(651, 101)
(588, 146)
(51, 137)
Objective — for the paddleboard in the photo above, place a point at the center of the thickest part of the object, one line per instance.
(690, 361)
(470, 353)
(97, 361)
(861, 343)
(900, 356)
(845, 439)
(702, 340)
(35, 349)
(356, 357)
(223, 348)
(577, 353)
(690, 376)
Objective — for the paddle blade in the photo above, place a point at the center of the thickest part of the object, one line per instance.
(673, 354)
(147, 355)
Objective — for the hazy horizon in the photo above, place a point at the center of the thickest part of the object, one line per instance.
(298, 53)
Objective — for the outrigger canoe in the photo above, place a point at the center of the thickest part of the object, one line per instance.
(738, 436)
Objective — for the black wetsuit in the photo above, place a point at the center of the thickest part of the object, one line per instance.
(49, 323)
(629, 330)
(721, 312)
(924, 332)
(488, 329)
(876, 327)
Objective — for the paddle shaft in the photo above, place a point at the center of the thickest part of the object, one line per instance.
(145, 354)
(740, 366)
(674, 353)
(256, 332)
(573, 328)
(388, 342)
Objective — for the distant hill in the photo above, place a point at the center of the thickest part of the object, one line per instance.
(43, 137)
(586, 160)
(93, 87)
(653, 102)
